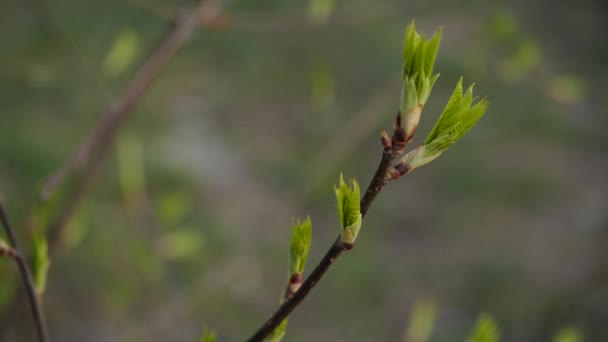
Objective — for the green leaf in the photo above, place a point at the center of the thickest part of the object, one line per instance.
(457, 118)
(301, 236)
(40, 262)
(569, 334)
(349, 211)
(422, 321)
(419, 56)
(278, 333)
(448, 114)
(430, 49)
(123, 52)
(208, 336)
(410, 47)
(485, 330)
(319, 11)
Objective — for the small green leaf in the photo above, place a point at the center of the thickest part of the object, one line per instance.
(457, 118)
(422, 321)
(349, 211)
(278, 333)
(40, 262)
(485, 330)
(208, 336)
(123, 52)
(569, 334)
(419, 56)
(301, 236)
(410, 47)
(319, 11)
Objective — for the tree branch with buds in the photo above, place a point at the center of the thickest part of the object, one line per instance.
(458, 117)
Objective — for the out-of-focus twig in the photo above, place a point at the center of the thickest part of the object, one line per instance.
(26, 276)
(87, 158)
(274, 20)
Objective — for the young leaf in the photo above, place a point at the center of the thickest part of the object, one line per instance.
(485, 330)
(208, 336)
(301, 235)
(349, 211)
(278, 333)
(569, 334)
(457, 118)
(419, 56)
(40, 262)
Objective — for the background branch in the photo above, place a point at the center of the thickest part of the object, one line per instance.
(86, 160)
(26, 276)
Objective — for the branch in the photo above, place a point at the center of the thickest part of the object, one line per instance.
(87, 158)
(26, 275)
(393, 147)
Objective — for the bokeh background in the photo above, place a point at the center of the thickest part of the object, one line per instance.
(187, 225)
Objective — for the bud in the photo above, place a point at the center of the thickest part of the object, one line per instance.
(301, 236)
(419, 56)
(349, 210)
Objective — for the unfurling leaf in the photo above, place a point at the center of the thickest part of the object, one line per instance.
(485, 330)
(349, 210)
(458, 117)
(301, 235)
(40, 262)
(419, 56)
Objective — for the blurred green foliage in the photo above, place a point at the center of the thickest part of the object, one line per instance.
(187, 223)
(485, 330)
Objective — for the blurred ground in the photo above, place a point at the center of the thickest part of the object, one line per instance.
(187, 226)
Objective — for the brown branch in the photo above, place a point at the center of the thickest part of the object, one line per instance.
(26, 276)
(392, 148)
(86, 160)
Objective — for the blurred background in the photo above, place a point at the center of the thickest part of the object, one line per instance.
(188, 222)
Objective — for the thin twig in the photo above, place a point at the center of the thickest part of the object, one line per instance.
(85, 162)
(26, 275)
(393, 147)
(91, 152)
